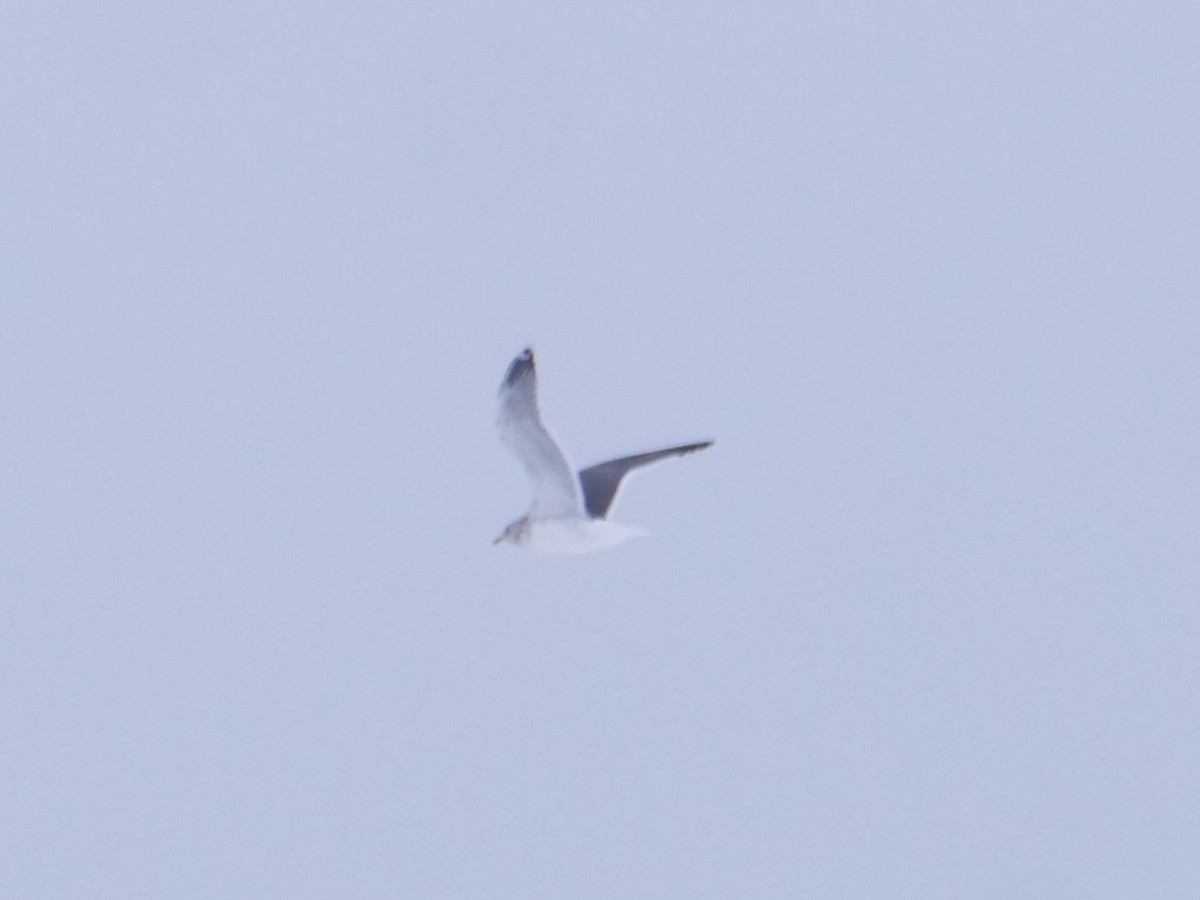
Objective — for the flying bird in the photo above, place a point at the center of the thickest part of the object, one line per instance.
(569, 513)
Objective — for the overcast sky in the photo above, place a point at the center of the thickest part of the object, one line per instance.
(923, 623)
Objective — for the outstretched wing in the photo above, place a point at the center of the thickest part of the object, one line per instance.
(600, 482)
(555, 493)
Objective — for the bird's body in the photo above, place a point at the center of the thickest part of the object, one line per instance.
(569, 511)
(568, 535)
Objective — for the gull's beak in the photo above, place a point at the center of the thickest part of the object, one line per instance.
(497, 540)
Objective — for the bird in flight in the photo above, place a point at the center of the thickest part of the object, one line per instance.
(569, 510)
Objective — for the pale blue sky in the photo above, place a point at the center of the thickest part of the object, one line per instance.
(922, 624)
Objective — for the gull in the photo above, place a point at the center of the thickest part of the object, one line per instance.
(569, 511)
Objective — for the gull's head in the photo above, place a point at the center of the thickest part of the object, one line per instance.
(517, 532)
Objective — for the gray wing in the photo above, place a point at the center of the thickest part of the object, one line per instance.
(600, 482)
(555, 491)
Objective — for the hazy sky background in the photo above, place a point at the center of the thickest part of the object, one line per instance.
(924, 623)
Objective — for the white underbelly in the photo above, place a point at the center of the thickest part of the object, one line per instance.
(578, 535)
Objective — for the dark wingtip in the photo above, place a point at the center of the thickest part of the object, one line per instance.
(519, 367)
